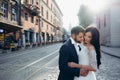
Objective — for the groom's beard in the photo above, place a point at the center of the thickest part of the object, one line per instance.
(77, 40)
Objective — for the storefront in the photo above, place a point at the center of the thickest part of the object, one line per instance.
(1, 38)
(9, 34)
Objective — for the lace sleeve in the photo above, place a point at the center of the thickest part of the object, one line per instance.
(92, 59)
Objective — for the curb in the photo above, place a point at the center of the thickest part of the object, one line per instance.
(111, 54)
(25, 49)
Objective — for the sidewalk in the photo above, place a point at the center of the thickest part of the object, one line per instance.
(113, 51)
(23, 49)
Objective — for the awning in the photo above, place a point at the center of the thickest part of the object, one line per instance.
(10, 27)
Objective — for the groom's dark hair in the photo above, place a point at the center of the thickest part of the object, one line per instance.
(77, 30)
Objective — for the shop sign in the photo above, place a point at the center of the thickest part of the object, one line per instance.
(2, 37)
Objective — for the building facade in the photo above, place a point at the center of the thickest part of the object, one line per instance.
(41, 21)
(30, 22)
(51, 21)
(108, 23)
(10, 25)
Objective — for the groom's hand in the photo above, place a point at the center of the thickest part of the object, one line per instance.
(83, 72)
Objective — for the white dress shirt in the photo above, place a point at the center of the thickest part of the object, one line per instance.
(76, 45)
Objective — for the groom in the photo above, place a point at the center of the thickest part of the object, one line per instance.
(68, 53)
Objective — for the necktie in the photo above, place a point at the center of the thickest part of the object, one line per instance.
(79, 47)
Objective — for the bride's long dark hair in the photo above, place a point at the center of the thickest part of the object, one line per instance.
(95, 41)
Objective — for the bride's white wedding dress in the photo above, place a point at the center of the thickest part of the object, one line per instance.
(87, 57)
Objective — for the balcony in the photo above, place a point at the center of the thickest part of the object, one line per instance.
(32, 8)
(58, 28)
(26, 4)
(13, 2)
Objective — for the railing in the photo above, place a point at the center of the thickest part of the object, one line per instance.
(34, 8)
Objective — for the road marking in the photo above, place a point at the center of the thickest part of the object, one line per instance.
(31, 50)
(36, 61)
(20, 53)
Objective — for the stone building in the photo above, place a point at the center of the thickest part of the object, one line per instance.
(108, 23)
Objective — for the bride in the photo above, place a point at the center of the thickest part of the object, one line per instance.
(89, 56)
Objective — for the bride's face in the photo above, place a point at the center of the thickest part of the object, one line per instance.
(88, 37)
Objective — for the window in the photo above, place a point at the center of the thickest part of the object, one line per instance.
(32, 1)
(99, 23)
(36, 21)
(13, 14)
(26, 36)
(51, 29)
(26, 16)
(42, 11)
(47, 15)
(47, 2)
(4, 9)
(37, 2)
(51, 18)
(37, 36)
(42, 24)
(104, 20)
(32, 19)
(26, 1)
(47, 27)
(51, 6)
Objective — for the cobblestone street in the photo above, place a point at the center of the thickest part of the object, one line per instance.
(109, 70)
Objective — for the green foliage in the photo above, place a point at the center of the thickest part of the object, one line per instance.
(85, 16)
(64, 31)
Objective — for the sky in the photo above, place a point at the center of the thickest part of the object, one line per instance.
(70, 10)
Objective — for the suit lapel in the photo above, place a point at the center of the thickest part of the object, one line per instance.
(73, 50)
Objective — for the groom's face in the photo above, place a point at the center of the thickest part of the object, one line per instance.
(79, 38)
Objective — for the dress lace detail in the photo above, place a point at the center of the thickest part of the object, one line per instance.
(92, 59)
(87, 57)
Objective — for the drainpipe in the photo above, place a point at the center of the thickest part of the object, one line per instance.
(19, 12)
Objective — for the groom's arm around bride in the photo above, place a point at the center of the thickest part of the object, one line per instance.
(65, 70)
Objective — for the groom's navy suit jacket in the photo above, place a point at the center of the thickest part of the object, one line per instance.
(67, 54)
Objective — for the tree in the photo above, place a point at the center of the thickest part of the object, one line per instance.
(65, 34)
(85, 16)
(64, 31)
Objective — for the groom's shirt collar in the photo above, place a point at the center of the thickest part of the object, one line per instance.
(81, 44)
(73, 41)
